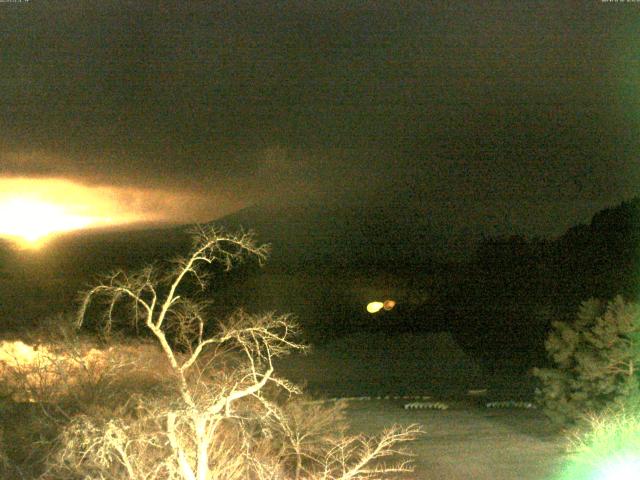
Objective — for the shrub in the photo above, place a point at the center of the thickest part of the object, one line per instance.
(596, 361)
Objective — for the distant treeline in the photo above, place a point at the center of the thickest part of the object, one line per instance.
(503, 300)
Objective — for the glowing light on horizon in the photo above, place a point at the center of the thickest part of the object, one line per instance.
(34, 210)
(31, 221)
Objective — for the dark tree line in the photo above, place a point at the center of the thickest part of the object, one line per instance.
(515, 286)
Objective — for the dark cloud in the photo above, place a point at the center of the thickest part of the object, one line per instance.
(522, 115)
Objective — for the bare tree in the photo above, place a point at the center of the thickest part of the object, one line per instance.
(224, 422)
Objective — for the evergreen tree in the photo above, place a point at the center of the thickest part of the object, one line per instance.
(596, 359)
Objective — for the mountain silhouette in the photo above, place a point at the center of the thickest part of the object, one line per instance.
(317, 236)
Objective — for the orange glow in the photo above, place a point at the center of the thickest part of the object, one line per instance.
(375, 307)
(32, 220)
(389, 304)
(32, 210)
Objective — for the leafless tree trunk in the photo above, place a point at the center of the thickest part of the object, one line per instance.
(208, 404)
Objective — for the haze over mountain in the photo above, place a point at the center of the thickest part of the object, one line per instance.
(362, 236)
(328, 237)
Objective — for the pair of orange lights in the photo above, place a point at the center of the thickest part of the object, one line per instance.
(375, 307)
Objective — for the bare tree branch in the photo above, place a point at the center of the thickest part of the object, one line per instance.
(223, 425)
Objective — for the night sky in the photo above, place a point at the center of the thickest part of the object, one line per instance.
(494, 116)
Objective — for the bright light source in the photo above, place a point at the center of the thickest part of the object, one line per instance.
(375, 307)
(31, 220)
(623, 469)
(33, 209)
